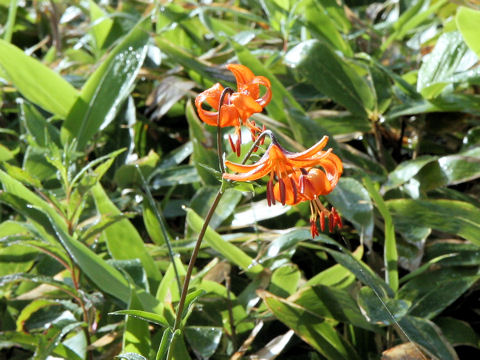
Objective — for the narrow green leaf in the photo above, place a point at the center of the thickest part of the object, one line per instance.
(320, 23)
(390, 253)
(101, 24)
(37, 82)
(144, 315)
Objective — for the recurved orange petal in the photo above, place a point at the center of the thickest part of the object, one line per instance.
(246, 105)
(242, 74)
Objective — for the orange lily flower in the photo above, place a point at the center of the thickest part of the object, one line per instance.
(297, 178)
(311, 183)
(238, 106)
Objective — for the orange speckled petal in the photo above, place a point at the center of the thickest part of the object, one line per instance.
(320, 182)
(242, 74)
(246, 105)
(257, 173)
(314, 150)
(309, 162)
(229, 116)
(212, 97)
(265, 99)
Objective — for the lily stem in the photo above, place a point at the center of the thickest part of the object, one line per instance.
(193, 258)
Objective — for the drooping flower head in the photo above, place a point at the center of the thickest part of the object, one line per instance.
(294, 177)
(237, 106)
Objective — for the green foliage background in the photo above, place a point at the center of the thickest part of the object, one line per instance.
(107, 172)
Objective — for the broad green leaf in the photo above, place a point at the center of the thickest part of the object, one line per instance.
(336, 276)
(37, 82)
(351, 199)
(453, 253)
(451, 170)
(284, 281)
(431, 292)
(449, 56)
(317, 64)
(458, 332)
(311, 328)
(407, 170)
(226, 249)
(123, 240)
(331, 303)
(362, 272)
(390, 252)
(5, 154)
(437, 214)
(106, 89)
(204, 340)
(41, 131)
(426, 334)
(381, 311)
(30, 309)
(136, 336)
(467, 22)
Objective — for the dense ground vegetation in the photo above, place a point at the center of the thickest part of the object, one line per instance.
(107, 172)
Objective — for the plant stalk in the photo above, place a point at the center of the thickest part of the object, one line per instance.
(193, 258)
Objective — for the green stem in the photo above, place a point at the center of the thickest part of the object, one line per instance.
(193, 258)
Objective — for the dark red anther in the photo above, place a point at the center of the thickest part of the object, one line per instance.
(239, 143)
(295, 193)
(282, 191)
(330, 222)
(270, 195)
